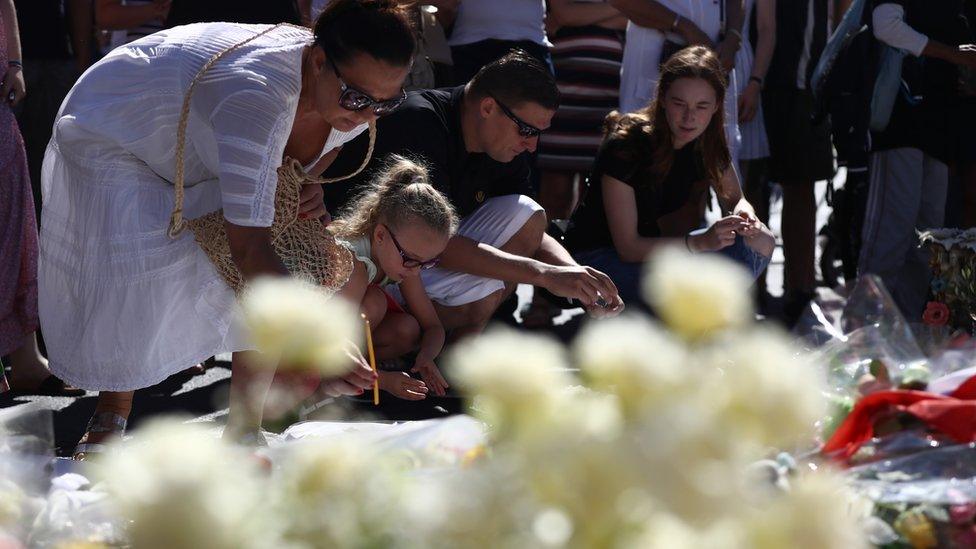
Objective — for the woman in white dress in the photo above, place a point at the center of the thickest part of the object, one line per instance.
(122, 304)
(754, 149)
(751, 72)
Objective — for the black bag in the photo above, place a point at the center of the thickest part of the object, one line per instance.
(844, 93)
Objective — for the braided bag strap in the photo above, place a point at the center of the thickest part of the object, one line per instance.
(177, 224)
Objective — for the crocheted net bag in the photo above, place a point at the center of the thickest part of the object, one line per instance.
(307, 249)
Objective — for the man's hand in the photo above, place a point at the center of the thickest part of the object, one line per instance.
(585, 284)
(312, 205)
(605, 309)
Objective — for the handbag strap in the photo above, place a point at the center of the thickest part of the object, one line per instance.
(176, 221)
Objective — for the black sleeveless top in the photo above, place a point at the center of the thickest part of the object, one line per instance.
(684, 187)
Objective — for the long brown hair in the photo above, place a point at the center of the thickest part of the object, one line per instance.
(647, 128)
(401, 193)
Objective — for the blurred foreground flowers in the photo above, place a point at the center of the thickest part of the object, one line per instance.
(653, 445)
(300, 327)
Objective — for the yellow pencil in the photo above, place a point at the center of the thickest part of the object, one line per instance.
(372, 362)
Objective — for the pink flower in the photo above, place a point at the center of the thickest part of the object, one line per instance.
(936, 314)
(963, 513)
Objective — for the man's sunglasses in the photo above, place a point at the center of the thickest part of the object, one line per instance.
(524, 128)
(408, 261)
(352, 99)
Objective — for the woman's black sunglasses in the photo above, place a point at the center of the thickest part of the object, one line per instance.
(352, 99)
(524, 128)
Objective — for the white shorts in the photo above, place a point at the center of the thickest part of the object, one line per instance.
(494, 223)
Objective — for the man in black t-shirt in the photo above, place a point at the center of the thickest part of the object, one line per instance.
(908, 162)
(475, 140)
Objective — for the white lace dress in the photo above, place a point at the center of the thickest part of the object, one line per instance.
(122, 305)
(754, 142)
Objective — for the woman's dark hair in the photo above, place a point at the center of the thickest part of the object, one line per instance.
(647, 129)
(515, 79)
(379, 28)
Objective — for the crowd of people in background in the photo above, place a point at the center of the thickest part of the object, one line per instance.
(552, 143)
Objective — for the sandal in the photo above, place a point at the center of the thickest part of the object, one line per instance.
(51, 386)
(198, 369)
(100, 422)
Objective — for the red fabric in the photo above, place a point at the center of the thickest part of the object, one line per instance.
(391, 304)
(954, 415)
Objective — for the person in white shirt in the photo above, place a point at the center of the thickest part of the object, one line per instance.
(484, 31)
(123, 304)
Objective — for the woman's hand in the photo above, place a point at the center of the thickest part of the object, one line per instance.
(693, 35)
(758, 237)
(749, 102)
(13, 88)
(431, 375)
(312, 205)
(720, 235)
(726, 52)
(356, 381)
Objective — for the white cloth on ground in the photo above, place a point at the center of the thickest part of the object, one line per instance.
(123, 306)
(494, 223)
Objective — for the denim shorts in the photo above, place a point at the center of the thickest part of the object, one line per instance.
(627, 275)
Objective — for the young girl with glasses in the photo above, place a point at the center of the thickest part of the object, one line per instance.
(397, 227)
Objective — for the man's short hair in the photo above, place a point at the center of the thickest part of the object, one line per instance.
(514, 79)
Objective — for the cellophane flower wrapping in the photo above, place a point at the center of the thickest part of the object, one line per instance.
(651, 444)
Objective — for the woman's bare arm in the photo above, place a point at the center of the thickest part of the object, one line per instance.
(112, 15)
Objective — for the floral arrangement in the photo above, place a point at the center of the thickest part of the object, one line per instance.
(953, 263)
(652, 446)
(922, 499)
